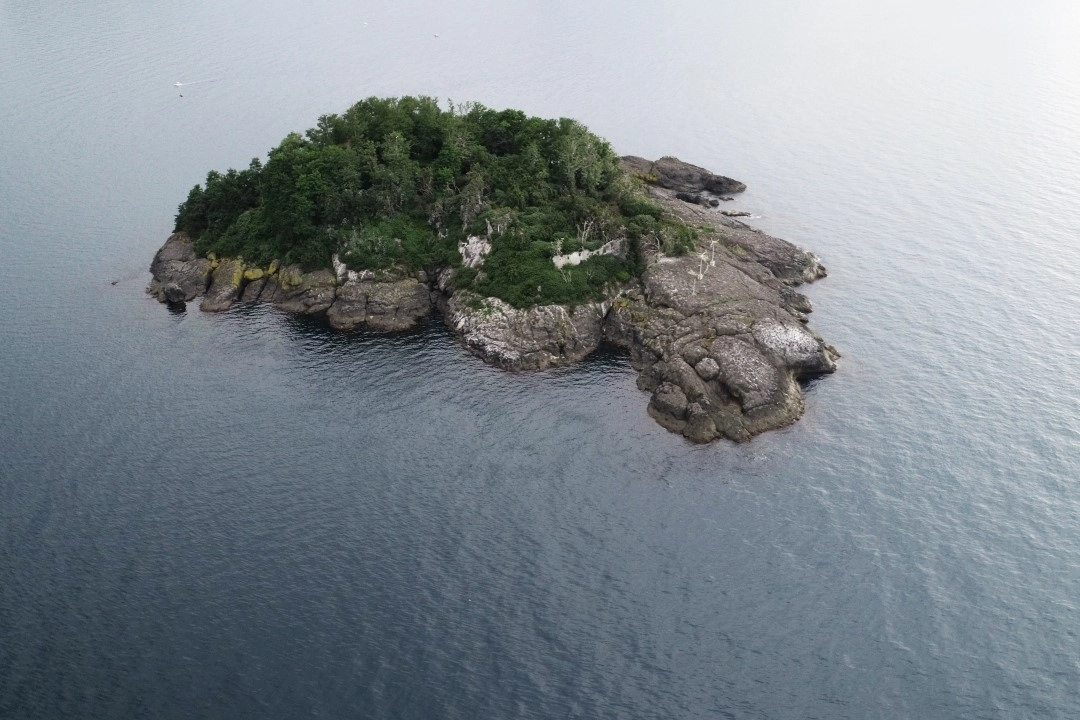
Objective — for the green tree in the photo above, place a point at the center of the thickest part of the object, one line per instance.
(399, 182)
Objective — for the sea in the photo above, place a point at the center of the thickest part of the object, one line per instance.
(248, 515)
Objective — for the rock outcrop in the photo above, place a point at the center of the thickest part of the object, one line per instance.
(225, 286)
(386, 306)
(179, 276)
(722, 353)
(673, 174)
(525, 338)
(788, 263)
(718, 336)
(303, 293)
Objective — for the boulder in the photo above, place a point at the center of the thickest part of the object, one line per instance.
(794, 347)
(707, 368)
(670, 401)
(700, 427)
(693, 353)
(174, 294)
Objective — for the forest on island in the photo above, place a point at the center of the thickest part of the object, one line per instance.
(400, 182)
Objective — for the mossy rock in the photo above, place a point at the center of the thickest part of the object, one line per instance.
(290, 277)
(238, 274)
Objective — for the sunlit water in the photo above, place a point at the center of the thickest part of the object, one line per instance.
(247, 515)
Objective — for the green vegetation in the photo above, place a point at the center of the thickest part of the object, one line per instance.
(398, 183)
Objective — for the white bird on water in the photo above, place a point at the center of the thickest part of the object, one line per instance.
(180, 85)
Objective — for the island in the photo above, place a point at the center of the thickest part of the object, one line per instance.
(534, 241)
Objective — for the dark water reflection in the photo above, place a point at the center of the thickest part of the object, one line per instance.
(247, 515)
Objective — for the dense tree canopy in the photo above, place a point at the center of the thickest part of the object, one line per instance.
(400, 182)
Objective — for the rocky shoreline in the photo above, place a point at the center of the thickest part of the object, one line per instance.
(719, 337)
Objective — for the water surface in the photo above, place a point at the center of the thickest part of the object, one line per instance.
(247, 515)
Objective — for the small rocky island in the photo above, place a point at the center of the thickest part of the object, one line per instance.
(530, 237)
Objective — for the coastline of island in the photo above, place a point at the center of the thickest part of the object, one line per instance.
(704, 305)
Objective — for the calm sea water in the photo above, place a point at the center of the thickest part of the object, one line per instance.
(248, 516)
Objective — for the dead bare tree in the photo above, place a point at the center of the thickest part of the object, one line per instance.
(584, 230)
(652, 244)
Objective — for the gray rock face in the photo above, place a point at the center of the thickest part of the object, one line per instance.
(718, 336)
(175, 267)
(524, 339)
(177, 249)
(386, 306)
(746, 373)
(473, 251)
